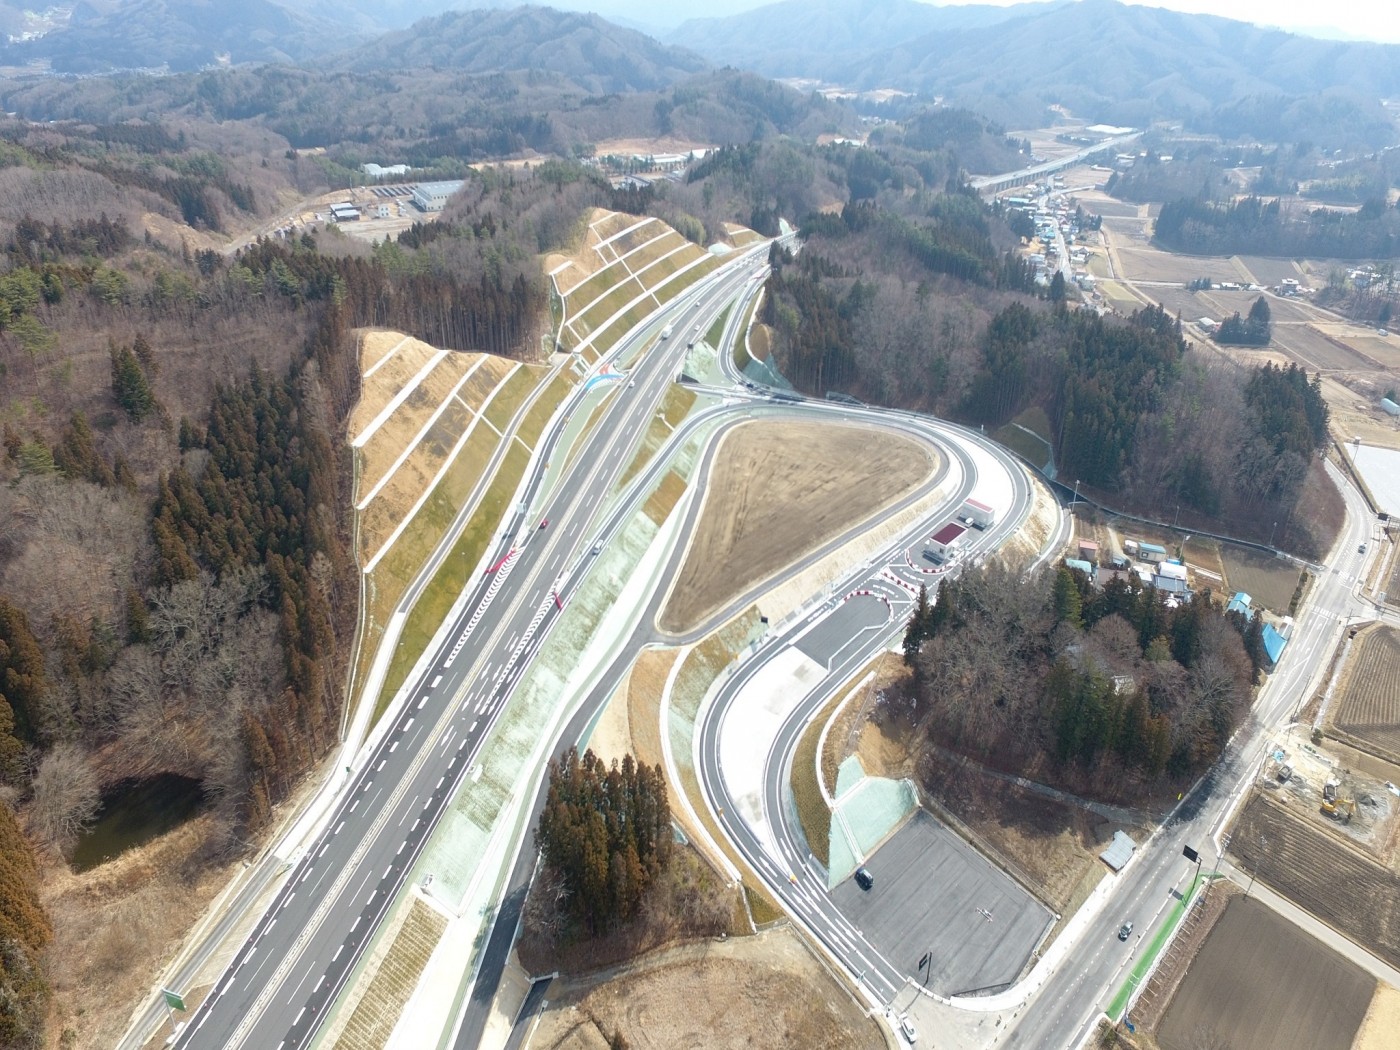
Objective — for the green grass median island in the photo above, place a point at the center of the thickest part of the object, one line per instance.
(448, 582)
(674, 406)
(716, 332)
(1154, 948)
(812, 811)
(741, 344)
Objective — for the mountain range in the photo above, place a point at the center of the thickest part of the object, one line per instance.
(174, 34)
(1117, 62)
(1104, 60)
(596, 54)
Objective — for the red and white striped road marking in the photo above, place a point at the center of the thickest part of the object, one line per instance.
(886, 574)
(867, 593)
(920, 568)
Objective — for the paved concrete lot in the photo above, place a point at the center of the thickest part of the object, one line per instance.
(931, 890)
(833, 639)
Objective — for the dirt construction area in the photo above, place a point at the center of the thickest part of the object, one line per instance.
(1368, 706)
(1260, 983)
(767, 990)
(777, 490)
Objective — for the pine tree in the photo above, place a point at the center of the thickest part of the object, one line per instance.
(130, 386)
(917, 630)
(1067, 601)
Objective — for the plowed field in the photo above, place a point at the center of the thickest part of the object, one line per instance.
(1260, 983)
(1349, 891)
(1369, 707)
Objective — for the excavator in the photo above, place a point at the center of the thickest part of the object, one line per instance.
(1335, 806)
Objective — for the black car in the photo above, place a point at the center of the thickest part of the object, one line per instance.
(864, 879)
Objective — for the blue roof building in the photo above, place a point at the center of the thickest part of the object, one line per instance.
(1273, 643)
(1080, 564)
(1241, 603)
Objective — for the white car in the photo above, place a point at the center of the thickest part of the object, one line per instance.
(906, 1027)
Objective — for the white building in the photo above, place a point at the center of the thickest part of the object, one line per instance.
(375, 171)
(433, 196)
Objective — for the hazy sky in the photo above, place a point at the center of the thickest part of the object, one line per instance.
(1363, 19)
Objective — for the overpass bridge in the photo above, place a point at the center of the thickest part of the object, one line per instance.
(990, 184)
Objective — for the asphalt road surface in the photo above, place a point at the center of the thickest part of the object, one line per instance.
(284, 980)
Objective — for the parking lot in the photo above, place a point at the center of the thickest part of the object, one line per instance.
(934, 894)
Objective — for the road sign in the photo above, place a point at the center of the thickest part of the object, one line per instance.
(1189, 853)
(174, 1000)
(927, 958)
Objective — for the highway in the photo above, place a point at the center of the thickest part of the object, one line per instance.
(283, 981)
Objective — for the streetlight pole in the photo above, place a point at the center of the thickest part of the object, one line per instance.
(1271, 533)
(1076, 493)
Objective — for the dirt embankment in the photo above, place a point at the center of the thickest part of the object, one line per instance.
(778, 491)
(767, 990)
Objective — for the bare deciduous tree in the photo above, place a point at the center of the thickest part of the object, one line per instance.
(66, 797)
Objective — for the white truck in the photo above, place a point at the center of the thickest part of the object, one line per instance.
(666, 332)
(978, 515)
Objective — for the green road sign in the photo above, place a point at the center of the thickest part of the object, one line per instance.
(174, 1000)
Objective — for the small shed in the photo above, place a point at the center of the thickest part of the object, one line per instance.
(1274, 643)
(1151, 552)
(1080, 564)
(1089, 550)
(1119, 851)
(1173, 569)
(945, 539)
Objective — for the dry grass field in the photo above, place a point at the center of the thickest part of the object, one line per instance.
(1260, 983)
(768, 991)
(1368, 708)
(1382, 1021)
(777, 491)
(1269, 581)
(1142, 263)
(117, 924)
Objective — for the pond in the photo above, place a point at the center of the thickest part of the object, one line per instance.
(135, 812)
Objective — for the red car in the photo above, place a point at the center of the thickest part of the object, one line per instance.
(544, 524)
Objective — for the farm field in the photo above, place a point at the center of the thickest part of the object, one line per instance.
(1149, 264)
(1269, 581)
(1271, 271)
(1108, 207)
(1384, 351)
(1282, 310)
(1368, 708)
(1313, 349)
(1355, 895)
(1260, 983)
(1128, 232)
